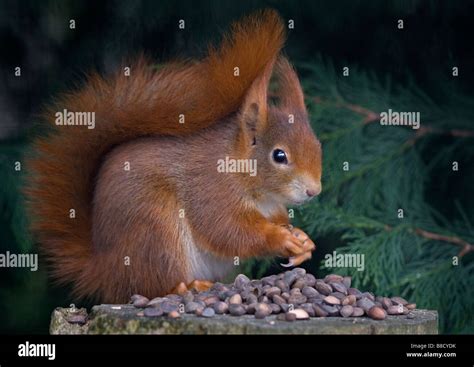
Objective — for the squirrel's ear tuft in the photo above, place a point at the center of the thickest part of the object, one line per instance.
(254, 110)
(290, 94)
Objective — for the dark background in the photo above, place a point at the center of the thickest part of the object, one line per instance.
(36, 36)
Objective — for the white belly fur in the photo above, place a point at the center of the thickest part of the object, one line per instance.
(202, 265)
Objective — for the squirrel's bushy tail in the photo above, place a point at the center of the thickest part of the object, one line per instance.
(65, 162)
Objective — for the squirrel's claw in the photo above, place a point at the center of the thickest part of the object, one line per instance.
(297, 260)
(290, 263)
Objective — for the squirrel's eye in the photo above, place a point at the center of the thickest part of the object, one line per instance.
(279, 156)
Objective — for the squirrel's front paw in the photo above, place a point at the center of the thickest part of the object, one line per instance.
(298, 259)
(297, 246)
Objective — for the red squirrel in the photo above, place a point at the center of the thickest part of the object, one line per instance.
(138, 205)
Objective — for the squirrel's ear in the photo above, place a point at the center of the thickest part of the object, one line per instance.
(254, 110)
(290, 94)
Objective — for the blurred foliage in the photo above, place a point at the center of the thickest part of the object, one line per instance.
(356, 207)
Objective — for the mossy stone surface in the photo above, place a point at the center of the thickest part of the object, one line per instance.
(123, 319)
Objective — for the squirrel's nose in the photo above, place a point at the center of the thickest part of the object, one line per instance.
(314, 191)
